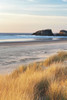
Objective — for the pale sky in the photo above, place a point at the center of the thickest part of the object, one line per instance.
(27, 16)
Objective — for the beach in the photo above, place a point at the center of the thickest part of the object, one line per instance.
(13, 55)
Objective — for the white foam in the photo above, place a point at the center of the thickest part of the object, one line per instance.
(55, 39)
(15, 40)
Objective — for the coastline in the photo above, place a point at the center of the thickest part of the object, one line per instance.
(13, 55)
(32, 42)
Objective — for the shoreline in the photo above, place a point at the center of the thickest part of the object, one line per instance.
(32, 42)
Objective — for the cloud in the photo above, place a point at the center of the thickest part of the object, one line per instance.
(31, 0)
(64, 0)
(33, 8)
(46, 7)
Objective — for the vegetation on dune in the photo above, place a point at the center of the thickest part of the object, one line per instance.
(59, 57)
(33, 82)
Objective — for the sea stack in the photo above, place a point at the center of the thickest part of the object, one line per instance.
(63, 32)
(47, 32)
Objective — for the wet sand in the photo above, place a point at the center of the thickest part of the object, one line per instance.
(35, 42)
(15, 54)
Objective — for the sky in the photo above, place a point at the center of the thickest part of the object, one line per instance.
(28, 16)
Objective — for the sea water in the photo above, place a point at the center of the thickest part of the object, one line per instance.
(25, 37)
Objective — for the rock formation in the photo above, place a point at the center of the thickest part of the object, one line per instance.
(47, 32)
(63, 32)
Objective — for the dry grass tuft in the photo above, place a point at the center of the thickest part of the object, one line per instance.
(60, 57)
(57, 91)
(32, 82)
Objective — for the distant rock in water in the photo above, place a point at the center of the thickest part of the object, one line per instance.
(63, 32)
(47, 32)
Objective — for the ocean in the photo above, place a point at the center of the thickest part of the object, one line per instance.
(25, 37)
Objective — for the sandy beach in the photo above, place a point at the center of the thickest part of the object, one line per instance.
(13, 55)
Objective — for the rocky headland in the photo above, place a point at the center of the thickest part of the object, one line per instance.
(48, 32)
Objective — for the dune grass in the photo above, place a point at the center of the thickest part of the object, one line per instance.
(33, 82)
(59, 57)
